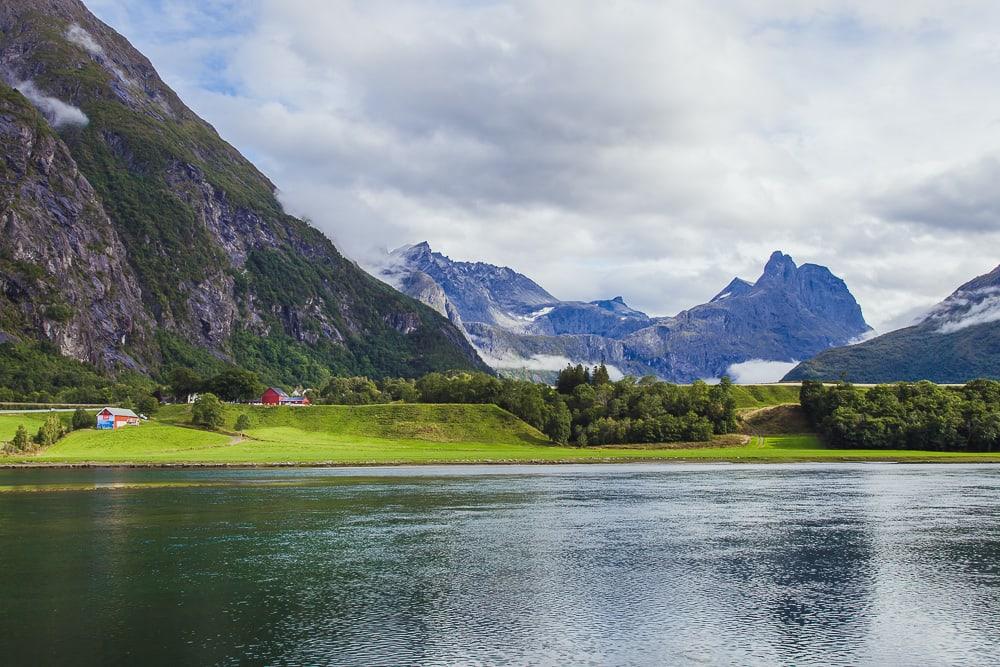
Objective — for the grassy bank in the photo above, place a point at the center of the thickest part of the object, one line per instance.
(402, 434)
(763, 395)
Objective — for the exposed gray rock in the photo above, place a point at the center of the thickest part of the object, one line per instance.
(64, 274)
(158, 230)
(789, 313)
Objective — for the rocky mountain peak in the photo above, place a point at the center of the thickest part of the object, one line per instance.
(990, 279)
(736, 287)
(779, 268)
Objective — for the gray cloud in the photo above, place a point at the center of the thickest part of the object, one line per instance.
(960, 199)
(650, 149)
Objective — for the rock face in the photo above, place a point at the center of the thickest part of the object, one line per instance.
(63, 272)
(477, 292)
(789, 313)
(135, 236)
(957, 341)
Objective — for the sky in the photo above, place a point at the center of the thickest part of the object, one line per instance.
(652, 150)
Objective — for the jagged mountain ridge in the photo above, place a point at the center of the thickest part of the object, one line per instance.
(134, 236)
(957, 341)
(789, 313)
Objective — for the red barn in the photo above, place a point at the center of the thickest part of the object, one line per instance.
(275, 396)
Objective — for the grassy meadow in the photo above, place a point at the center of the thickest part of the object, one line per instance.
(400, 434)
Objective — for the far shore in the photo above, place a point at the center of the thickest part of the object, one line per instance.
(845, 458)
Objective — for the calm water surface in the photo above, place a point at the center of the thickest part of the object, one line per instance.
(638, 565)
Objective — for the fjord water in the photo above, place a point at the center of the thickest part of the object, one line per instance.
(649, 564)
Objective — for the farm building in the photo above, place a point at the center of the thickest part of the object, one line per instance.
(115, 418)
(276, 396)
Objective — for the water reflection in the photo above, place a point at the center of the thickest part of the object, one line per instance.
(583, 565)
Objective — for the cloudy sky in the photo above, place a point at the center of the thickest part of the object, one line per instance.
(648, 149)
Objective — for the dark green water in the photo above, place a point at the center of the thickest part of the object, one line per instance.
(646, 565)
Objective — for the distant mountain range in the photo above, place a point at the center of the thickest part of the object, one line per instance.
(957, 341)
(133, 237)
(789, 313)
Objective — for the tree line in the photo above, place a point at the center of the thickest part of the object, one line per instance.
(906, 415)
(584, 408)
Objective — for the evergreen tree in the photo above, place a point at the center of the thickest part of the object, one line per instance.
(50, 432)
(600, 376)
(21, 442)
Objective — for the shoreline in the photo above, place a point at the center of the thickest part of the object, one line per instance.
(209, 465)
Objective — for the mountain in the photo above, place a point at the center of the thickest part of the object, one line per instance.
(478, 292)
(958, 341)
(789, 313)
(135, 237)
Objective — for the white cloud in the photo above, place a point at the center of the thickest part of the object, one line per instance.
(965, 309)
(81, 37)
(55, 110)
(650, 149)
(542, 362)
(759, 371)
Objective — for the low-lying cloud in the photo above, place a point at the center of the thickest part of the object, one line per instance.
(968, 309)
(57, 112)
(542, 362)
(79, 36)
(759, 371)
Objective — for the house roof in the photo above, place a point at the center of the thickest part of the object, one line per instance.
(278, 391)
(120, 412)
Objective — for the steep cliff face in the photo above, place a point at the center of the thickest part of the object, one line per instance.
(958, 341)
(789, 313)
(476, 291)
(63, 270)
(217, 269)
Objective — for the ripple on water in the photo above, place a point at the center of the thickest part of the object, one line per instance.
(806, 565)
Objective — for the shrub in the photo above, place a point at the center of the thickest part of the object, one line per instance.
(243, 422)
(51, 431)
(147, 405)
(82, 419)
(21, 442)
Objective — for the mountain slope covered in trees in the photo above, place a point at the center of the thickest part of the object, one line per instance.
(958, 341)
(134, 237)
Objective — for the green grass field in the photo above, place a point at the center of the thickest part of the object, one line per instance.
(31, 421)
(400, 434)
(763, 395)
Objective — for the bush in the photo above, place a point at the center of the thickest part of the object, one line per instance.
(51, 431)
(82, 419)
(208, 412)
(21, 442)
(147, 405)
(243, 422)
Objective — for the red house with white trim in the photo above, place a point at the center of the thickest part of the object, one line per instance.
(276, 396)
(112, 419)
